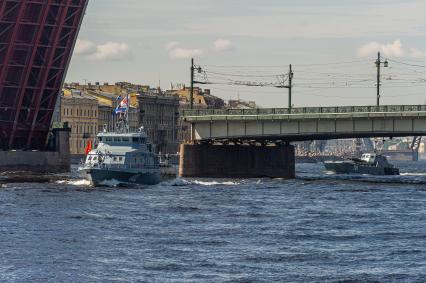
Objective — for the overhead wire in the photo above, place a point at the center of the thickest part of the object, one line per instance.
(335, 77)
(407, 64)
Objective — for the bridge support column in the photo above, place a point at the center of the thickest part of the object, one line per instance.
(236, 161)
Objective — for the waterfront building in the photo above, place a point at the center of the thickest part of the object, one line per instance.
(159, 114)
(105, 121)
(108, 93)
(202, 98)
(81, 112)
(36, 41)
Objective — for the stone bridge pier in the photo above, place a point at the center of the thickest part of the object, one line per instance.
(237, 161)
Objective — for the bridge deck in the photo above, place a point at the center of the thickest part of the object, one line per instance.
(307, 123)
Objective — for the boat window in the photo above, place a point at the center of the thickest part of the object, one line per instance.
(100, 139)
(95, 158)
(143, 140)
(109, 139)
(135, 140)
(89, 158)
(120, 158)
(125, 139)
(117, 140)
(115, 158)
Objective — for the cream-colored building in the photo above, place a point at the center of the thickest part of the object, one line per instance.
(81, 113)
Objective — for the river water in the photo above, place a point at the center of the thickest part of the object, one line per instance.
(317, 228)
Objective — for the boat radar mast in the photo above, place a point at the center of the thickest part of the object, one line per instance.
(122, 113)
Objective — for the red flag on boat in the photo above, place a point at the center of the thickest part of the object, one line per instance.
(89, 147)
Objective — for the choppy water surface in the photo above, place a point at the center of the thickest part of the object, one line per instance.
(317, 228)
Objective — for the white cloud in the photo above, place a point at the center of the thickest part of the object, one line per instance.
(107, 51)
(171, 45)
(392, 49)
(112, 51)
(222, 44)
(84, 47)
(183, 53)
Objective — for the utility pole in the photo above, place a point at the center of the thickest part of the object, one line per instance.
(378, 79)
(290, 86)
(191, 95)
(378, 65)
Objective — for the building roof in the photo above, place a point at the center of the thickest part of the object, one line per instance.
(76, 94)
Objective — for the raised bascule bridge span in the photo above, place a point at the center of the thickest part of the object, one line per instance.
(256, 142)
(37, 38)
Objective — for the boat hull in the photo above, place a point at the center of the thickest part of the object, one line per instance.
(353, 168)
(101, 176)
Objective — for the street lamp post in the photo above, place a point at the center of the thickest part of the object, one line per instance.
(378, 65)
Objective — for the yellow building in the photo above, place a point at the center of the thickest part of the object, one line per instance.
(185, 97)
(110, 99)
(107, 94)
(81, 113)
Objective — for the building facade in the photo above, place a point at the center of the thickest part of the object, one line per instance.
(36, 43)
(81, 112)
(159, 115)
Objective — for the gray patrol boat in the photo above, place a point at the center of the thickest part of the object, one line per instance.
(370, 163)
(122, 156)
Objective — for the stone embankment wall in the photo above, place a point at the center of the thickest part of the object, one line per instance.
(57, 161)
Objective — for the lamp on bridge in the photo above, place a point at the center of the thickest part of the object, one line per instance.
(379, 62)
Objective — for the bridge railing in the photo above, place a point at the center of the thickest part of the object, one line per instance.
(305, 110)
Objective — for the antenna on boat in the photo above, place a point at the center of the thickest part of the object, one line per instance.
(122, 125)
(127, 113)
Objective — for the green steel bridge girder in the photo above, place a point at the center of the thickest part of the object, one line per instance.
(347, 112)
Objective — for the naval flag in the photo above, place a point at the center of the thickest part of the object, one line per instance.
(122, 107)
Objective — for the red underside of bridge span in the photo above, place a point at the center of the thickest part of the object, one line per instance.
(36, 42)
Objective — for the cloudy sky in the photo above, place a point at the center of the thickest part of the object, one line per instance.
(332, 45)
